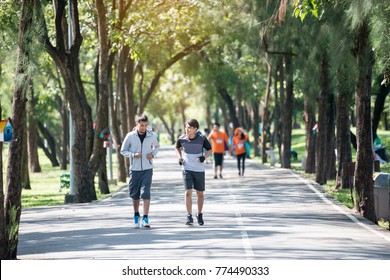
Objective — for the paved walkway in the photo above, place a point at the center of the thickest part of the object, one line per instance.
(270, 214)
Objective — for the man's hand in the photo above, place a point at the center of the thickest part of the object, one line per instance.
(150, 156)
(201, 159)
(137, 155)
(181, 161)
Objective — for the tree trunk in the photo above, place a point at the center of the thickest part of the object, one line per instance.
(115, 125)
(287, 115)
(265, 118)
(225, 116)
(33, 157)
(379, 106)
(102, 177)
(118, 116)
(239, 107)
(66, 59)
(228, 101)
(25, 172)
(64, 113)
(343, 138)
(330, 139)
(14, 168)
(208, 114)
(321, 144)
(3, 235)
(364, 155)
(50, 151)
(279, 99)
(310, 121)
(99, 152)
(120, 101)
(256, 126)
(275, 136)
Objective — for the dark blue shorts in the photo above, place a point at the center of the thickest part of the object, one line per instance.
(140, 184)
(194, 180)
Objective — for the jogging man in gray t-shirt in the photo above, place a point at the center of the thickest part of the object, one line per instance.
(190, 150)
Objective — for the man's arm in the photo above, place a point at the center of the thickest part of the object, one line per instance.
(125, 148)
(156, 146)
(208, 153)
(227, 143)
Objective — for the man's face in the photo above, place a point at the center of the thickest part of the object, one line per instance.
(190, 131)
(142, 126)
(216, 128)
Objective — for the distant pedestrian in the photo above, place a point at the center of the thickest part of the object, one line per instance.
(190, 148)
(219, 143)
(239, 139)
(141, 146)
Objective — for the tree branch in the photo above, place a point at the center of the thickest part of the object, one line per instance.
(192, 48)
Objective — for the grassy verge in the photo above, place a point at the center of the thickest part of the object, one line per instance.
(343, 195)
(45, 186)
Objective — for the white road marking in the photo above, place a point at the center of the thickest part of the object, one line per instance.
(244, 234)
(339, 209)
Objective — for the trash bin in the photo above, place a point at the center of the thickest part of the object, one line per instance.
(382, 195)
(64, 181)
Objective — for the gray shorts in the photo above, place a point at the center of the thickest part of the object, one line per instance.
(140, 184)
(195, 180)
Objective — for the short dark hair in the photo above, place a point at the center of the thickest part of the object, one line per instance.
(217, 124)
(142, 118)
(193, 123)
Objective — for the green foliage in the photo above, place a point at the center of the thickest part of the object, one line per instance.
(304, 7)
(380, 33)
(154, 29)
(9, 13)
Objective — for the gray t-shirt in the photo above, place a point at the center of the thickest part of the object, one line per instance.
(191, 150)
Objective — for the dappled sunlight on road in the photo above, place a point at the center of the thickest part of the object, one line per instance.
(267, 214)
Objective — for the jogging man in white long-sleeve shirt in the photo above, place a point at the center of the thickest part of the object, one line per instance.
(141, 146)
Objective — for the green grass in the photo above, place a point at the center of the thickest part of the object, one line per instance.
(298, 144)
(45, 186)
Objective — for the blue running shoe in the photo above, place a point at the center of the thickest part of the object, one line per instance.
(145, 222)
(136, 221)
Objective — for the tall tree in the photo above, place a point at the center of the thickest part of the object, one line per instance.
(323, 124)
(104, 70)
(344, 97)
(358, 14)
(66, 57)
(3, 233)
(8, 16)
(22, 84)
(364, 154)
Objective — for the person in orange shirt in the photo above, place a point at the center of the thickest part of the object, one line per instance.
(239, 139)
(219, 140)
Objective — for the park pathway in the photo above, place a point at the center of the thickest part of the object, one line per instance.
(270, 214)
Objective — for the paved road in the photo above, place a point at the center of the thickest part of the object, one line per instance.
(270, 214)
